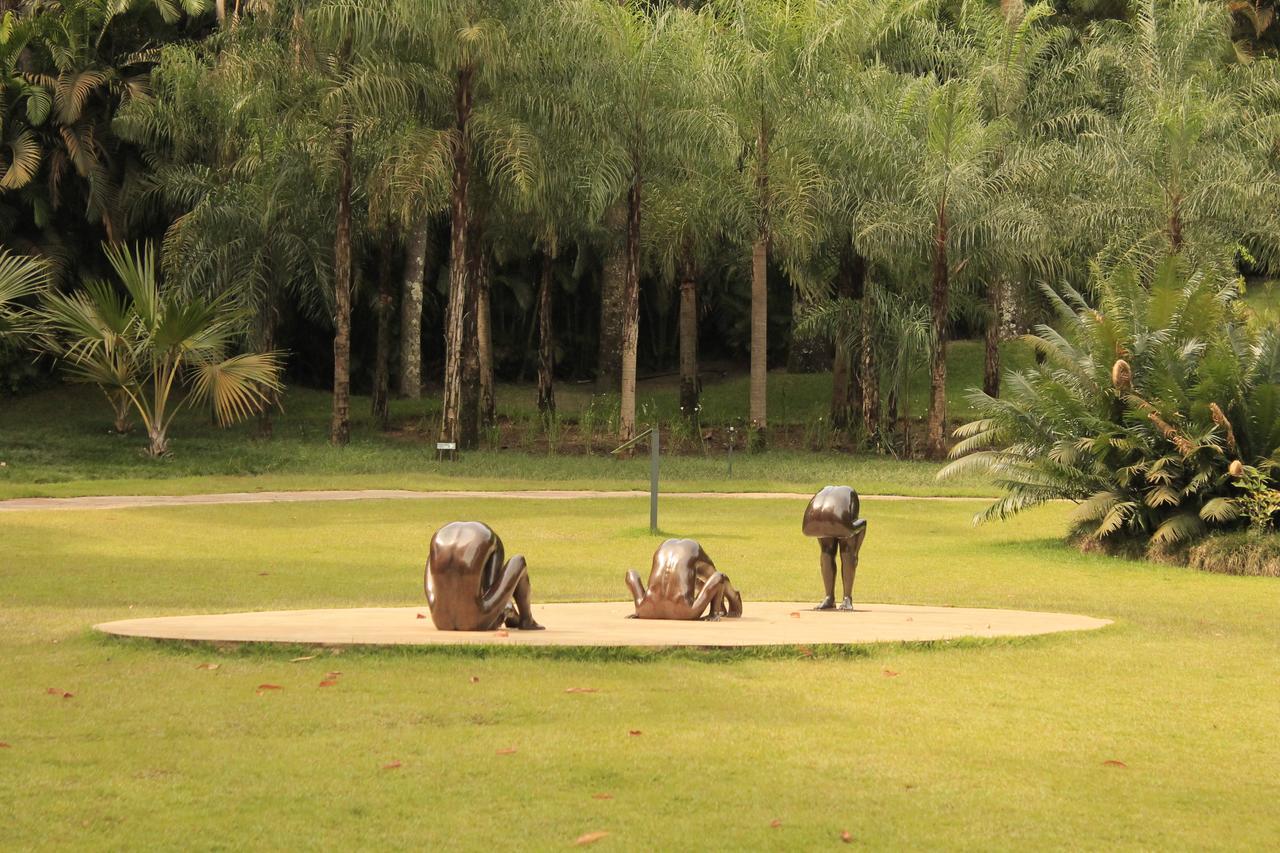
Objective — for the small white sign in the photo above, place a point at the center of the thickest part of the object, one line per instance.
(446, 445)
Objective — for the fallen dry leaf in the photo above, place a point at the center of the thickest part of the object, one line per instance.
(422, 616)
(306, 657)
(589, 838)
(581, 690)
(1111, 762)
(776, 823)
(4, 745)
(795, 614)
(270, 687)
(329, 682)
(208, 665)
(593, 796)
(263, 574)
(635, 732)
(392, 765)
(889, 673)
(475, 679)
(846, 837)
(332, 674)
(805, 652)
(54, 691)
(511, 750)
(502, 633)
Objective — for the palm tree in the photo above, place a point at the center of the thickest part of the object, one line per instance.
(20, 277)
(156, 346)
(637, 93)
(951, 201)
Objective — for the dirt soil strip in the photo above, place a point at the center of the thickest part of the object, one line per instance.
(132, 501)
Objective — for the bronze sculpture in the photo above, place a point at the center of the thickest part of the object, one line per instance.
(832, 517)
(469, 587)
(682, 584)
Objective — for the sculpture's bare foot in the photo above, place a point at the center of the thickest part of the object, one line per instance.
(847, 604)
(530, 625)
(711, 617)
(828, 603)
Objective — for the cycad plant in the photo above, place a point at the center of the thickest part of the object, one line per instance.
(1145, 399)
(157, 347)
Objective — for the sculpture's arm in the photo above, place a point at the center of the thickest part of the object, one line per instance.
(709, 591)
(636, 586)
(431, 588)
(500, 593)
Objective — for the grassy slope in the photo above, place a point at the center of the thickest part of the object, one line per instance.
(971, 745)
(57, 443)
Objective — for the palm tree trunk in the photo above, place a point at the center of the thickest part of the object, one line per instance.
(991, 360)
(382, 358)
(613, 284)
(845, 385)
(340, 425)
(868, 376)
(454, 338)
(758, 416)
(630, 315)
(546, 341)
(935, 436)
(689, 342)
(469, 415)
(411, 292)
(267, 343)
(484, 345)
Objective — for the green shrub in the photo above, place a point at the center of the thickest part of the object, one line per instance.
(1139, 409)
(1246, 553)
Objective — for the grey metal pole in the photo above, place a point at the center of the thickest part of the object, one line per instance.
(653, 481)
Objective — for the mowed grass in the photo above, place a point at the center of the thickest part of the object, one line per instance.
(975, 745)
(58, 443)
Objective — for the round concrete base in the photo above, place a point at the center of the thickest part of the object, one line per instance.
(606, 624)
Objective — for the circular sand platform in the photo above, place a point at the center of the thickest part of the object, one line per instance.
(605, 624)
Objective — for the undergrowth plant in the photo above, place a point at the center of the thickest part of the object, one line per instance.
(1146, 396)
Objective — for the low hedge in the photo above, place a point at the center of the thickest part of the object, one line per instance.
(1244, 553)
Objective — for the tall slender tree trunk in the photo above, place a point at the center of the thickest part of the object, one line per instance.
(340, 425)
(382, 358)
(411, 296)
(758, 415)
(630, 315)
(688, 322)
(469, 412)
(266, 343)
(868, 372)
(546, 339)
(459, 208)
(845, 384)
(484, 345)
(935, 436)
(1175, 225)
(613, 285)
(991, 359)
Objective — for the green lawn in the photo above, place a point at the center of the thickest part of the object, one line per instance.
(974, 745)
(58, 442)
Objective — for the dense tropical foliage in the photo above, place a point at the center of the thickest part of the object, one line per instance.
(425, 197)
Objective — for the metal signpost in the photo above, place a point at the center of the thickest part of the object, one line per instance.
(652, 432)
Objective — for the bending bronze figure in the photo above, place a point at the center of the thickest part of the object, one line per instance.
(832, 517)
(682, 584)
(469, 587)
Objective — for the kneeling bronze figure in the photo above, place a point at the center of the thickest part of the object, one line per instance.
(469, 587)
(832, 517)
(682, 584)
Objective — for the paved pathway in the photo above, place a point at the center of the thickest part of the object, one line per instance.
(765, 623)
(129, 501)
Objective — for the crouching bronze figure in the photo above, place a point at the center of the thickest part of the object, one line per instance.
(682, 584)
(832, 517)
(469, 587)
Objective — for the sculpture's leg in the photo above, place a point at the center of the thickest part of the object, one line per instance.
(732, 600)
(513, 582)
(828, 544)
(711, 592)
(849, 549)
